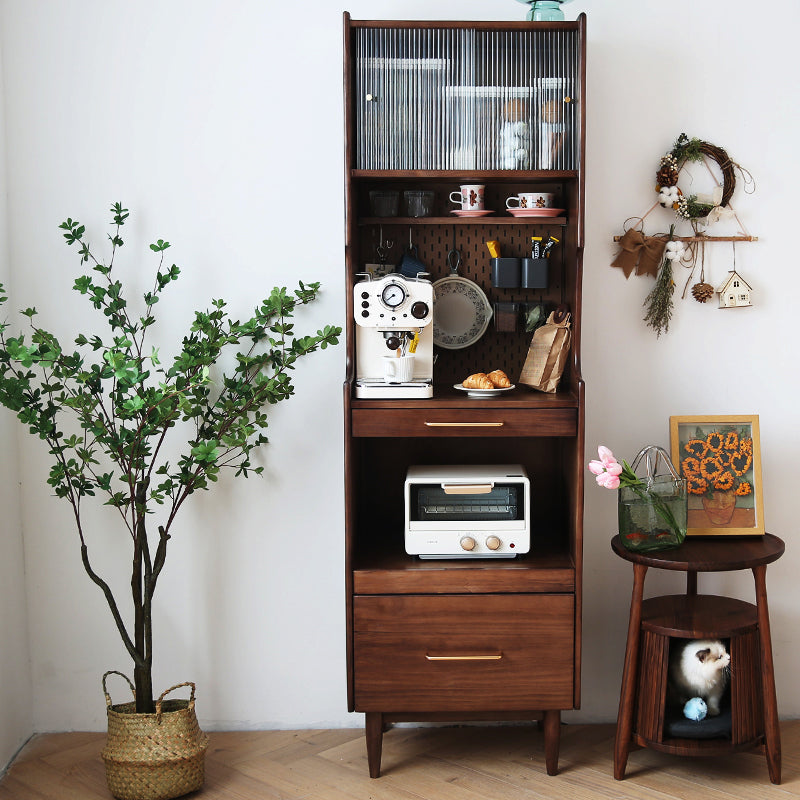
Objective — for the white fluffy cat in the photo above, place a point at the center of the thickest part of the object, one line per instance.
(699, 668)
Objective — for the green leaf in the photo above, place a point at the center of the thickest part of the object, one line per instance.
(133, 404)
(206, 451)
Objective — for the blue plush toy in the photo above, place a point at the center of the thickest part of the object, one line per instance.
(695, 709)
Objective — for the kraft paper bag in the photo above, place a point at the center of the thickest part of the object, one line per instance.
(547, 354)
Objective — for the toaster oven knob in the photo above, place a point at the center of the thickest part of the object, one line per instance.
(492, 542)
(467, 543)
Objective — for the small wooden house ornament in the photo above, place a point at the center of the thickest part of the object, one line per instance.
(735, 292)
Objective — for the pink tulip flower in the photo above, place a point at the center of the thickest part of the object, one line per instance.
(607, 469)
(608, 481)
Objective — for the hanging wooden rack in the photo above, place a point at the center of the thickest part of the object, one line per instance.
(741, 238)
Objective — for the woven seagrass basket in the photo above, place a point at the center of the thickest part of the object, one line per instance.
(153, 756)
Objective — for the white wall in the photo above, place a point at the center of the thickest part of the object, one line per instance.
(16, 717)
(211, 122)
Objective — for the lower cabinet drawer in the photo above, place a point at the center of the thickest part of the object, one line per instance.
(464, 653)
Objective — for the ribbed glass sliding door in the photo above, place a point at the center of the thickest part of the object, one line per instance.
(457, 98)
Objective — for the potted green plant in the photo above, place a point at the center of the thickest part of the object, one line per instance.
(142, 436)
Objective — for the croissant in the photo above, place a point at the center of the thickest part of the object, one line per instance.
(499, 379)
(477, 381)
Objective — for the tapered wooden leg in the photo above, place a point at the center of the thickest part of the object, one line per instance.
(627, 695)
(374, 736)
(552, 740)
(772, 734)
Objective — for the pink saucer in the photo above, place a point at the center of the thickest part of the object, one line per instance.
(475, 213)
(535, 212)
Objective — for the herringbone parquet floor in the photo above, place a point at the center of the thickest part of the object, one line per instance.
(429, 763)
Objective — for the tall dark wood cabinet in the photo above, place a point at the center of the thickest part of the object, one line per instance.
(427, 105)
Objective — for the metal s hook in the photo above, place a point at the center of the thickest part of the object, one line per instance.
(382, 247)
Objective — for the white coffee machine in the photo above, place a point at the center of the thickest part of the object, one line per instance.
(393, 315)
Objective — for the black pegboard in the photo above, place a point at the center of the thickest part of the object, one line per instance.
(496, 349)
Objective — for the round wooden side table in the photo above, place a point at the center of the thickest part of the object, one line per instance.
(653, 622)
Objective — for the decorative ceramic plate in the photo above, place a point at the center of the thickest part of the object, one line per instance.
(461, 312)
(474, 213)
(535, 212)
(482, 392)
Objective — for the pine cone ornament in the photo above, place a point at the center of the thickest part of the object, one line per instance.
(702, 291)
(667, 176)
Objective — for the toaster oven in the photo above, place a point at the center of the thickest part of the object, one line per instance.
(467, 511)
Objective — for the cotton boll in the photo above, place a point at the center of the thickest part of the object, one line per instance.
(668, 195)
(674, 250)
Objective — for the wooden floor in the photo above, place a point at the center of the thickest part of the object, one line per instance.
(442, 763)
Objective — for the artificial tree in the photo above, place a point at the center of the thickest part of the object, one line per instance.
(114, 417)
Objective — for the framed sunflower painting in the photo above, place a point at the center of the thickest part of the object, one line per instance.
(720, 459)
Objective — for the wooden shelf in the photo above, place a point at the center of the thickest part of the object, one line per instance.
(542, 570)
(521, 397)
(485, 220)
(497, 175)
(698, 616)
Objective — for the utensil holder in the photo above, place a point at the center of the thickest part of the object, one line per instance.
(505, 273)
(533, 273)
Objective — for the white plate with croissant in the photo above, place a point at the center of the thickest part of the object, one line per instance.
(493, 392)
(482, 384)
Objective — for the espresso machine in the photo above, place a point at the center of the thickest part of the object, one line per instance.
(394, 320)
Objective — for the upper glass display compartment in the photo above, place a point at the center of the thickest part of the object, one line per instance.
(463, 99)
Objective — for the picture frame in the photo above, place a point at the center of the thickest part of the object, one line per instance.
(720, 458)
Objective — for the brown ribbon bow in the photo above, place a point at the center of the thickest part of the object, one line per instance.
(639, 251)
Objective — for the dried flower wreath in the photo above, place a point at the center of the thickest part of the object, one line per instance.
(692, 207)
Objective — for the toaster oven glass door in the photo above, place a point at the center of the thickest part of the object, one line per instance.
(466, 503)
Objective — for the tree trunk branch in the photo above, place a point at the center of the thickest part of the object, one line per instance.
(112, 603)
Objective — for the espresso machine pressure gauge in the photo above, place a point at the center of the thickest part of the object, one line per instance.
(393, 295)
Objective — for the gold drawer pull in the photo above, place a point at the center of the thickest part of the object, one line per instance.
(486, 657)
(464, 424)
